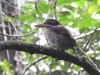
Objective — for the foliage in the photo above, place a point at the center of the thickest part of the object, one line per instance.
(79, 16)
(6, 67)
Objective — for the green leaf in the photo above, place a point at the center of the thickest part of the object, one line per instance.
(92, 9)
(6, 67)
(9, 19)
(61, 2)
(76, 67)
(31, 59)
(42, 7)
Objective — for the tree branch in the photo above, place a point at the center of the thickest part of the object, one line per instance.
(33, 48)
(86, 34)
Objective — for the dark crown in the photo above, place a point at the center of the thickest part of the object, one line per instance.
(52, 22)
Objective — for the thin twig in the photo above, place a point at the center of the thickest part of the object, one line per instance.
(41, 58)
(86, 34)
(89, 39)
(41, 8)
(55, 3)
(87, 45)
(10, 21)
(37, 10)
(19, 35)
(48, 14)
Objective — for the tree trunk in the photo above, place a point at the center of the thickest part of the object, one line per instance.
(8, 9)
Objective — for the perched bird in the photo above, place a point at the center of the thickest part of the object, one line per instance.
(57, 36)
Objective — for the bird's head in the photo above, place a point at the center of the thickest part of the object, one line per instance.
(48, 23)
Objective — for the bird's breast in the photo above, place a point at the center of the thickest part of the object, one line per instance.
(51, 37)
(56, 40)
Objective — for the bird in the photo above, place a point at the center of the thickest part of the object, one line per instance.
(59, 38)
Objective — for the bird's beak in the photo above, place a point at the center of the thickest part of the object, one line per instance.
(41, 25)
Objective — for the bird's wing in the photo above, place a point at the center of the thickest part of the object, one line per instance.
(60, 30)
